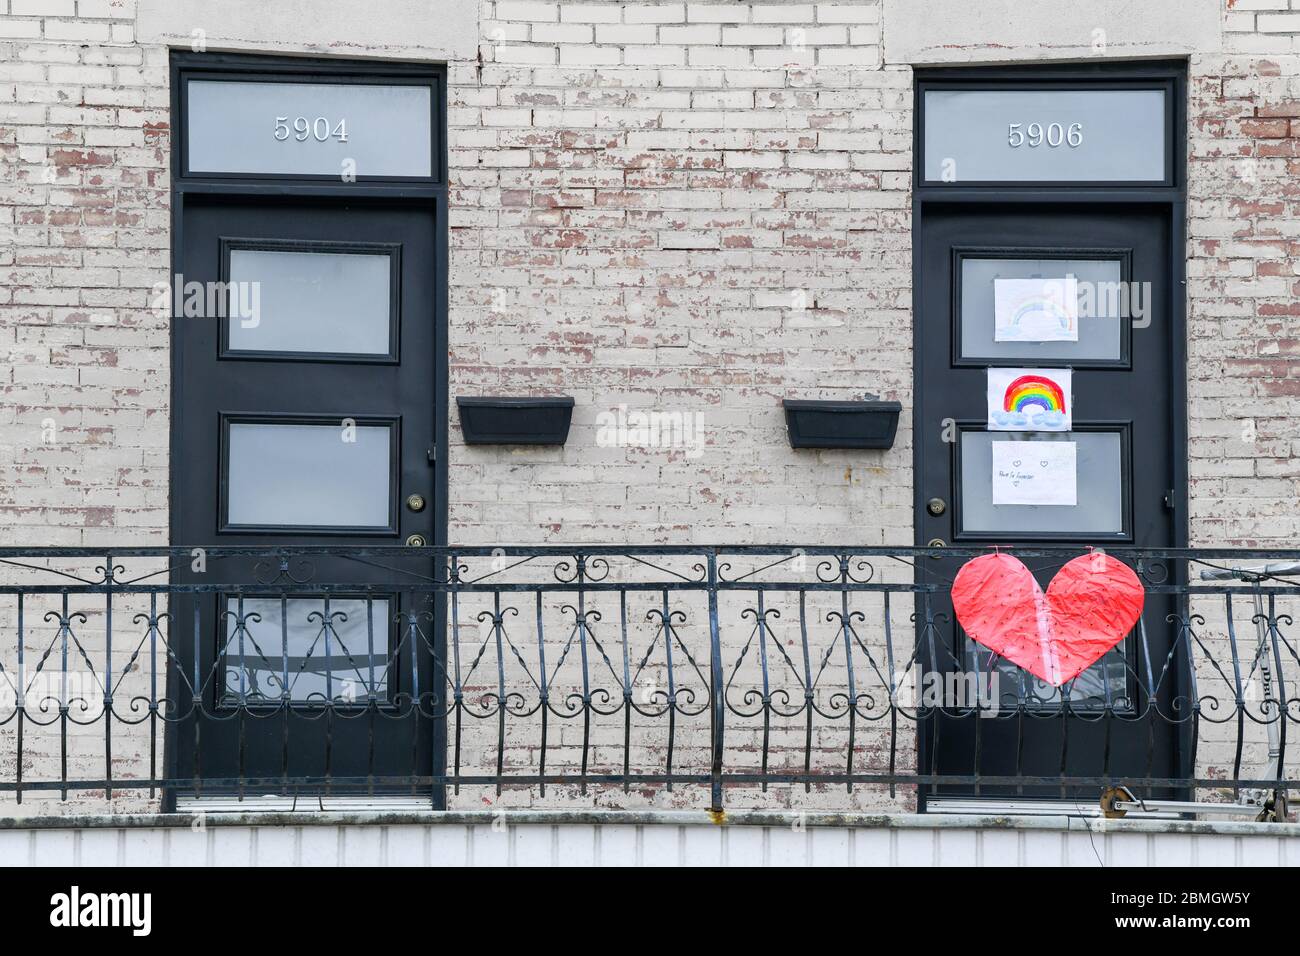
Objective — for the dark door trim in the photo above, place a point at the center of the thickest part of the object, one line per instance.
(429, 194)
(229, 244)
(1170, 75)
(302, 69)
(1121, 427)
(995, 251)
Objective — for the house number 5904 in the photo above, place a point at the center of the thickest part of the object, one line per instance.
(319, 129)
(1036, 134)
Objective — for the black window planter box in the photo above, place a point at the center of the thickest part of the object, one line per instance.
(862, 424)
(515, 421)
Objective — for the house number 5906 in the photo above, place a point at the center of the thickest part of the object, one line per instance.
(319, 129)
(1036, 134)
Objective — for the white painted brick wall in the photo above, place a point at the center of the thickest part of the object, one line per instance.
(83, 362)
(688, 215)
(1243, 323)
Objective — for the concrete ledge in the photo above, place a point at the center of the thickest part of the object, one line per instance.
(932, 32)
(434, 30)
(666, 818)
(555, 838)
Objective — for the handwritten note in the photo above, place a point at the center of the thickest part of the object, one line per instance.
(1035, 473)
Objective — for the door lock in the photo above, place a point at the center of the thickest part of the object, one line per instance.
(936, 506)
(415, 502)
(415, 541)
(936, 543)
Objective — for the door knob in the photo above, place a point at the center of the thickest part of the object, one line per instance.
(936, 506)
(415, 541)
(936, 543)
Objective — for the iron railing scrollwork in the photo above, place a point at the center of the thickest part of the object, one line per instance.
(707, 675)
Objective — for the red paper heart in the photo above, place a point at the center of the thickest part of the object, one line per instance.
(1089, 606)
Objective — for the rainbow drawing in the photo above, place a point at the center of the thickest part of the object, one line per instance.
(1036, 310)
(1030, 399)
(1039, 311)
(1029, 391)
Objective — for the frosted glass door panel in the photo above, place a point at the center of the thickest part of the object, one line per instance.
(310, 302)
(1100, 487)
(310, 129)
(309, 476)
(1100, 298)
(1079, 136)
(343, 663)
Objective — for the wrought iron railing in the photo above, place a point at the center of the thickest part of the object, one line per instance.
(754, 675)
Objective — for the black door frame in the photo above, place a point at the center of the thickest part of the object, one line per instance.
(418, 193)
(1170, 75)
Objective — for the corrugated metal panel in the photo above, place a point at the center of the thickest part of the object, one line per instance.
(646, 840)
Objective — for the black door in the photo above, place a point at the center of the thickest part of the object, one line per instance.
(306, 416)
(1116, 260)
